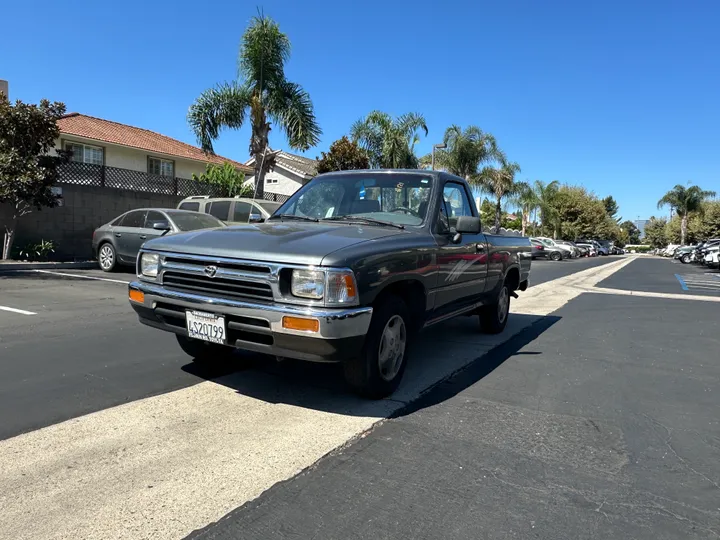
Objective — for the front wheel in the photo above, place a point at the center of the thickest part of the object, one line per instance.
(376, 372)
(203, 352)
(556, 256)
(494, 317)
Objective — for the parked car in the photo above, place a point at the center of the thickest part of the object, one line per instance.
(347, 270)
(710, 254)
(118, 242)
(712, 259)
(685, 253)
(231, 210)
(565, 251)
(575, 252)
(548, 251)
(591, 249)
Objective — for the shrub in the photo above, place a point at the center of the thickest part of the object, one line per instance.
(37, 251)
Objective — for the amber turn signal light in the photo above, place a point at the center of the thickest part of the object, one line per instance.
(299, 323)
(137, 296)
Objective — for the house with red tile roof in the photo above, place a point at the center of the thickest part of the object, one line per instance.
(96, 141)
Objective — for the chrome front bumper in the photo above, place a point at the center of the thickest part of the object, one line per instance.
(334, 324)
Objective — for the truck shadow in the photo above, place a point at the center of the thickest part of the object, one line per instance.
(444, 360)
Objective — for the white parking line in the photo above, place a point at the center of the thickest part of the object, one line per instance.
(82, 277)
(15, 310)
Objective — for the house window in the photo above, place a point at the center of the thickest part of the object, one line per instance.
(161, 167)
(84, 153)
(271, 181)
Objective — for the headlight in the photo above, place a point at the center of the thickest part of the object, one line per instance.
(308, 284)
(149, 264)
(341, 288)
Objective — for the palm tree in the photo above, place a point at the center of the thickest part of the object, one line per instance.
(685, 201)
(466, 150)
(262, 91)
(500, 182)
(546, 194)
(389, 142)
(528, 201)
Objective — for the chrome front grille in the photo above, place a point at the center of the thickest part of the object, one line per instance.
(219, 277)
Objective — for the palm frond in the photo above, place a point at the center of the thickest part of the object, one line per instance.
(264, 49)
(290, 106)
(221, 107)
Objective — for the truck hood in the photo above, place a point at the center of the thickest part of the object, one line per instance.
(284, 242)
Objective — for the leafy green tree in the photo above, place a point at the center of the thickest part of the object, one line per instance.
(655, 232)
(633, 233)
(546, 194)
(344, 155)
(500, 182)
(390, 143)
(466, 150)
(611, 207)
(581, 215)
(27, 172)
(265, 93)
(527, 199)
(685, 201)
(487, 212)
(710, 222)
(229, 181)
(673, 230)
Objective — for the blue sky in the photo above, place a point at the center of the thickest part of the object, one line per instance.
(620, 96)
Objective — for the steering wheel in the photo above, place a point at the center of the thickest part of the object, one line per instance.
(406, 210)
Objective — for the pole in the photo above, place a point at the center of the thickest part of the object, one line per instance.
(432, 166)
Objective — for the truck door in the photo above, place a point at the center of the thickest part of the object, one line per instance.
(462, 267)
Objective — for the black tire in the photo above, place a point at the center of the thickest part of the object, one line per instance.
(363, 373)
(556, 256)
(685, 259)
(106, 252)
(203, 352)
(493, 320)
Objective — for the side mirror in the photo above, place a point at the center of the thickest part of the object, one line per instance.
(468, 225)
(255, 218)
(161, 225)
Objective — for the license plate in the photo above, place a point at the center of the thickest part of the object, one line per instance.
(205, 326)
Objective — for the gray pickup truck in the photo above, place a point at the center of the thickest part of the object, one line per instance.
(348, 270)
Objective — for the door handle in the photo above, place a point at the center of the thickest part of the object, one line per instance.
(118, 235)
(479, 248)
(143, 236)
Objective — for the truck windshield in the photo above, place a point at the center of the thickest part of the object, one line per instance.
(400, 199)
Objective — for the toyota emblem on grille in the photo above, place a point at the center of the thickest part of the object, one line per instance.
(210, 271)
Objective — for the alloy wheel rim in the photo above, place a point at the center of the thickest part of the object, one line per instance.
(391, 349)
(503, 304)
(106, 257)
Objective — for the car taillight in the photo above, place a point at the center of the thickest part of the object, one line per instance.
(540, 248)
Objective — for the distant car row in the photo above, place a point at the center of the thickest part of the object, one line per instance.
(557, 250)
(118, 242)
(707, 253)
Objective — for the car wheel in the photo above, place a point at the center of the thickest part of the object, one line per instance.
(377, 371)
(203, 352)
(556, 256)
(106, 257)
(685, 259)
(494, 317)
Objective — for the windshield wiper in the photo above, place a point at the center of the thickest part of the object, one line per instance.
(292, 216)
(363, 219)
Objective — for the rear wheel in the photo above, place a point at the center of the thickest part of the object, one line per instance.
(376, 372)
(556, 256)
(494, 317)
(203, 352)
(685, 259)
(106, 257)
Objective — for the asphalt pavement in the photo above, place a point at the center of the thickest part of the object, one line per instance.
(597, 422)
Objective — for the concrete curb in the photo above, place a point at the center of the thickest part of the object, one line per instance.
(14, 267)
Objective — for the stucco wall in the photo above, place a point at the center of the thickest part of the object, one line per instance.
(124, 157)
(287, 182)
(84, 209)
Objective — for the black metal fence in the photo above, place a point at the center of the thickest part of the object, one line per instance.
(87, 174)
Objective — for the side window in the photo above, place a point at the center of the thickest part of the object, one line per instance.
(117, 221)
(152, 217)
(256, 210)
(242, 212)
(455, 204)
(134, 219)
(220, 209)
(194, 206)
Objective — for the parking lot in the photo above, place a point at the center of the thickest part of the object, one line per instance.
(585, 416)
